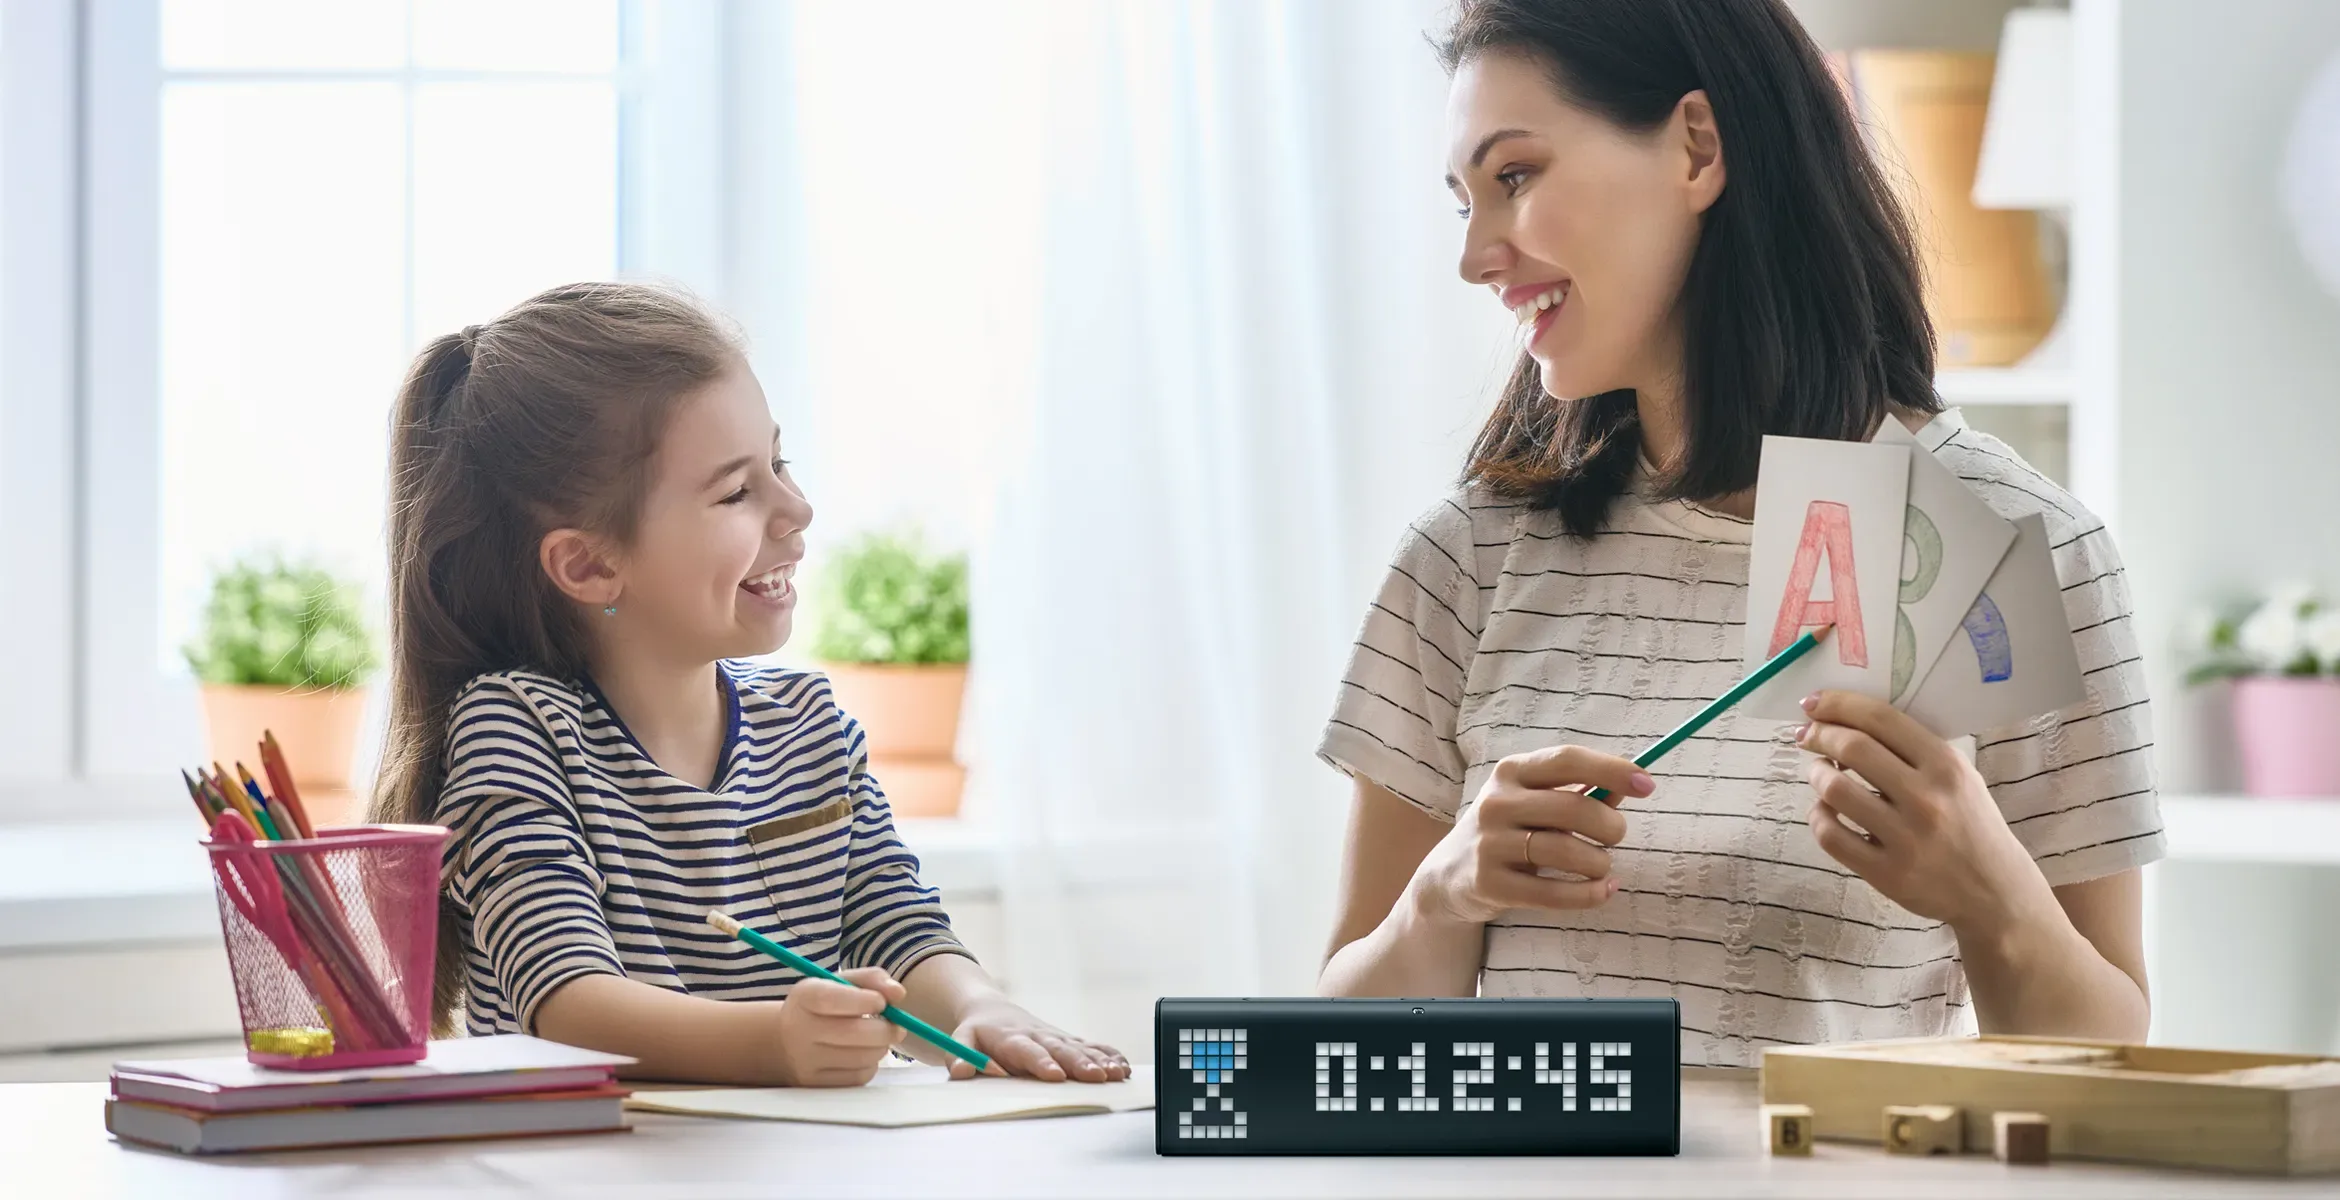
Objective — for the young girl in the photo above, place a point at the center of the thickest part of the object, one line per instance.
(1673, 199)
(589, 518)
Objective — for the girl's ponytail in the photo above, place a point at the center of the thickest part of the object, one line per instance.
(428, 651)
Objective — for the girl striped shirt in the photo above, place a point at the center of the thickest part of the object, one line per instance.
(1495, 633)
(574, 854)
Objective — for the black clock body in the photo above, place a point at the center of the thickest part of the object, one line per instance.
(1452, 1076)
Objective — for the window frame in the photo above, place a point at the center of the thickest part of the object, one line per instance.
(40, 212)
(91, 724)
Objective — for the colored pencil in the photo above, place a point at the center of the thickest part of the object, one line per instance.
(1739, 691)
(729, 924)
(202, 805)
(273, 807)
(220, 800)
(243, 803)
(279, 774)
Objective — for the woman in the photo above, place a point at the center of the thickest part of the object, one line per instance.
(1673, 198)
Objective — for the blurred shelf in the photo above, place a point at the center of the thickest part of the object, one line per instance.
(2291, 830)
(2005, 385)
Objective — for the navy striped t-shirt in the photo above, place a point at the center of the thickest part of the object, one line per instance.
(575, 854)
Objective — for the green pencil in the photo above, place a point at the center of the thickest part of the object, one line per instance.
(1739, 691)
(729, 924)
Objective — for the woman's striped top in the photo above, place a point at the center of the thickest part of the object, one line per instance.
(575, 854)
(1495, 633)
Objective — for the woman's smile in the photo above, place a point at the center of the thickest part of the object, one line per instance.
(1537, 303)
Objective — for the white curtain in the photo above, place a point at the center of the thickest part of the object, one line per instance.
(1253, 363)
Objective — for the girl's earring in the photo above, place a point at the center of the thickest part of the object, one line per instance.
(609, 610)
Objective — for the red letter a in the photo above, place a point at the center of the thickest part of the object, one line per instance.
(1827, 526)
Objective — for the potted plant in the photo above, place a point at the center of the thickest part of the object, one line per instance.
(891, 631)
(2284, 660)
(284, 647)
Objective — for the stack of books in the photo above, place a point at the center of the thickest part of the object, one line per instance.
(482, 1087)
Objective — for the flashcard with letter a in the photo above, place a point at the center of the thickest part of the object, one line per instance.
(1827, 550)
(2014, 656)
(1950, 543)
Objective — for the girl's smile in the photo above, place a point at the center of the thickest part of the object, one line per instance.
(775, 587)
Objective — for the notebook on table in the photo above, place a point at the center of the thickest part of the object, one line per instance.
(520, 1114)
(457, 1067)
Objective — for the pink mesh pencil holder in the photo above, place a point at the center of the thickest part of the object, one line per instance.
(331, 941)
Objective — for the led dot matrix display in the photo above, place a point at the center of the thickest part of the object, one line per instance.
(1418, 1076)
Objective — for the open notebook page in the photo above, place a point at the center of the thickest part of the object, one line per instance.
(903, 1096)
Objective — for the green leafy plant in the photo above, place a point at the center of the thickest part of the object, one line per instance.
(273, 623)
(2292, 633)
(883, 598)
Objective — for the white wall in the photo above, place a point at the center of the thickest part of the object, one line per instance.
(2229, 360)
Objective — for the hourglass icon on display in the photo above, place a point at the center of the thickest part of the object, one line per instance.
(1214, 1056)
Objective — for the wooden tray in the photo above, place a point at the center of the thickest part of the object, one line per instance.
(2269, 1113)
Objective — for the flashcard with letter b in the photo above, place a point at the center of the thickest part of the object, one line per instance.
(1951, 542)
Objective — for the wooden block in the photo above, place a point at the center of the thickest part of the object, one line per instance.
(1787, 1129)
(1924, 1129)
(2019, 1137)
(2225, 1110)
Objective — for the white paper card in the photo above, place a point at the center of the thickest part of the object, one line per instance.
(909, 1096)
(1951, 541)
(2014, 658)
(1827, 548)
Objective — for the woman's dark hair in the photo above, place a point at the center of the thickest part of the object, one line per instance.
(545, 418)
(1802, 314)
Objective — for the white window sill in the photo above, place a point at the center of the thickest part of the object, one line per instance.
(81, 883)
(2287, 831)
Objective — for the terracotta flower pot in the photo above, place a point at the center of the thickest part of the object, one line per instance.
(318, 731)
(910, 715)
(907, 712)
(2288, 732)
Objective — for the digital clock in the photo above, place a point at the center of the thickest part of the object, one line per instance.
(1454, 1076)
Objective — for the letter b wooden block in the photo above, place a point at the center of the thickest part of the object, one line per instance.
(1787, 1128)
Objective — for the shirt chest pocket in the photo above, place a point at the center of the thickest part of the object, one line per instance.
(803, 858)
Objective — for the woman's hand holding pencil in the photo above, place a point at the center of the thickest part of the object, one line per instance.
(1551, 810)
(1533, 815)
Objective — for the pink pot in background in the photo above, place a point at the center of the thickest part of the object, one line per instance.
(2288, 733)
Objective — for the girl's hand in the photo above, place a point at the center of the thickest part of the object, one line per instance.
(1936, 842)
(1022, 1044)
(831, 1035)
(1529, 816)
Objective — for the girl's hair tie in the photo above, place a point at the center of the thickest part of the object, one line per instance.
(454, 372)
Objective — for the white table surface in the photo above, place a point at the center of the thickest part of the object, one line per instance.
(53, 1144)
